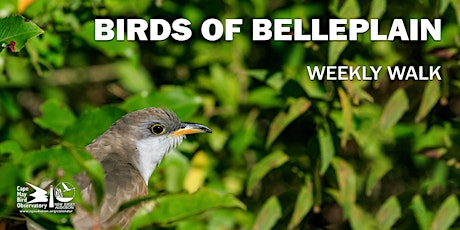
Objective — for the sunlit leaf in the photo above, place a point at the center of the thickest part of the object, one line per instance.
(346, 179)
(272, 161)
(347, 116)
(56, 116)
(378, 8)
(360, 219)
(264, 97)
(334, 51)
(15, 31)
(430, 97)
(303, 203)
(196, 175)
(422, 215)
(269, 214)
(380, 166)
(175, 207)
(283, 119)
(350, 9)
(395, 108)
(447, 214)
(326, 146)
(389, 213)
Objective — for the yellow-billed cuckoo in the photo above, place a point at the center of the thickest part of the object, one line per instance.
(129, 152)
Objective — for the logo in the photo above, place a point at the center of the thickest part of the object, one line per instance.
(55, 199)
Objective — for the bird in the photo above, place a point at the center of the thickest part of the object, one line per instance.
(129, 151)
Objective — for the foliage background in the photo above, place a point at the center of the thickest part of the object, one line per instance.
(286, 152)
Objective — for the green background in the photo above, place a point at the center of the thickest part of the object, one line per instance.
(285, 152)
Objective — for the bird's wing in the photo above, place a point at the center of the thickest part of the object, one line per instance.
(122, 183)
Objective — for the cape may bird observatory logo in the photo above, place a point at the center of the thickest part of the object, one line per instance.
(57, 199)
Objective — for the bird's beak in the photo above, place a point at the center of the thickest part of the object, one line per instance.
(190, 128)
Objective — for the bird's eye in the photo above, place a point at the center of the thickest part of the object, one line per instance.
(157, 129)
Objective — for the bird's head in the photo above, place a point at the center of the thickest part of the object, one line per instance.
(146, 135)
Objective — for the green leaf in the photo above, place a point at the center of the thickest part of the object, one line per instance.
(346, 179)
(422, 215)
(95, 172)
(91, 124)
(303, 204)
(176, 207)
(265, 97)
(56, 116)
(378, 8)
(380, 166)
(134, 77)
(326, 146)
(270, 213)
(431, 96)
(347, 114)
(272, 161)
(282, 120)
(111, 48)
(447, 214)
(11, 148)
(182, 101)
(350, 9)
(395, 108)
(389, 213)
(15, 31)
(334, 50)
(360, 219)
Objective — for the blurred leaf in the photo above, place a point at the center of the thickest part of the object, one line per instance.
(95, 172)
(378, 8)
(435, 138)
(270, 213)
(23, 4)
(246, 134)
(56, 116)
(224, 85)
(175, 207)
(422, 215)
(303, 204)
(326, 146)
(346, 179)
(15, 31)
(389, 213)
(272, 161)
(447, 214)
(438, 177)
(13, 150)
(134, 77)
(91, 124)
(360, 219)
(8, 187)
(350, 9)
(182, 101)
(431, 96)
(111, 48)
(265, 97)
(380, 166)
(335, 49)
(196, 175)
(282, 120)
(176, 166)
(395, 108)
(347, 117)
